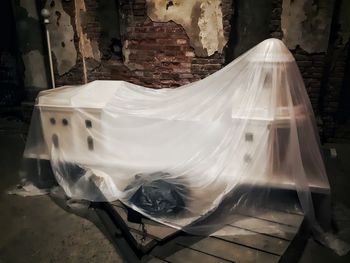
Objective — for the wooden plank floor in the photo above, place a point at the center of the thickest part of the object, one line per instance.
(264, 237)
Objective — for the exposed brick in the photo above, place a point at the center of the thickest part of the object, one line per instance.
(189, 54)
(181, 41)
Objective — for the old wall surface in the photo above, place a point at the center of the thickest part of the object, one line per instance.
(139, 41)
(335, 93)
(168, 43)
(304, 26)
(30, 44)
(162, 54)
(11, 70)
(317, 34)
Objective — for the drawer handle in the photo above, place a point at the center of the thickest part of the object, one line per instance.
(88, 124)
(64, 122)
(90, 143)
(55, 140)
(52, 121)
(249, 136)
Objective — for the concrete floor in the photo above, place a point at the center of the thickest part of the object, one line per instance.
(35, 229)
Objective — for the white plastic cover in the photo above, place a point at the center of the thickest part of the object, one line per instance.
(240, 141)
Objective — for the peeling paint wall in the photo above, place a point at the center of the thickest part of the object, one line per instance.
(62, 37)
(87, 35)
(168, 43)
(201, 19)
(161, 54)
(307, 23)
(88, 48)
(91, 28)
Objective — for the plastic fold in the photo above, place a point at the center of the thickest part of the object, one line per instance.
(239, 142)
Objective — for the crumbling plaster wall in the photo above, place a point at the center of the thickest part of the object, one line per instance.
(62, 37)
(201, 19)
(155, 54)
(84, 39)
(160, 51)
(306, 26)
(318, 33)
(170, 43)
(31, 45)
(306, 23)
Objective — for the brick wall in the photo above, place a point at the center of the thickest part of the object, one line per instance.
(156, 54)
(159, 55)
(311, 66)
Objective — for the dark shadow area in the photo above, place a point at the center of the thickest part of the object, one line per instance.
(249, 16)
(344, 105)
(11, 66)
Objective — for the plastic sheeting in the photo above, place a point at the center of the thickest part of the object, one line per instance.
(237, 142)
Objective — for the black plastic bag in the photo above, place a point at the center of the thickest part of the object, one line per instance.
(159, 197)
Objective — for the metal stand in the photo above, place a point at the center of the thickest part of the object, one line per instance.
(46, 14)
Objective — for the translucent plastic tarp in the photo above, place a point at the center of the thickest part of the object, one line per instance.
(241, 141)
